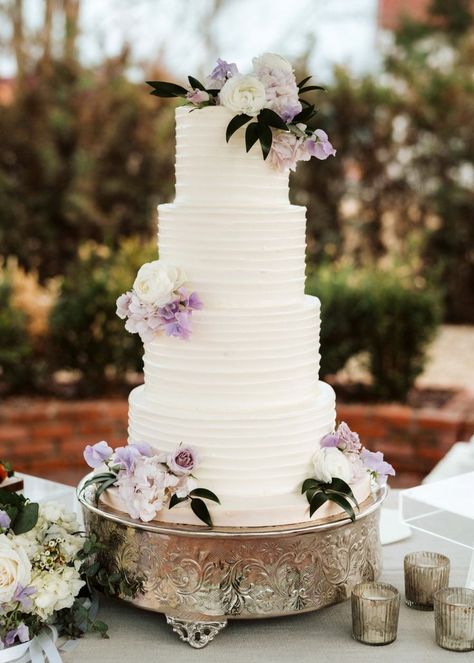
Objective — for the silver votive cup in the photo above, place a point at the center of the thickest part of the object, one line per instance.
(454, 618)
(425, 573)
(375, 609)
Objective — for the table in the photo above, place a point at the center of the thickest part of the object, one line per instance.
(319, 636)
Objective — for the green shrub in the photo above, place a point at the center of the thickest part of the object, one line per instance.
(379, 313)
(15, 347)
(86, 334)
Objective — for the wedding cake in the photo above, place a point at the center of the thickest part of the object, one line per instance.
(233, 391)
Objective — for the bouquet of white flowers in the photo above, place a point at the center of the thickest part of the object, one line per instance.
(47, 571)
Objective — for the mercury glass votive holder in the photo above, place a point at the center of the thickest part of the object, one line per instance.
(425, 573)
(375, 609)
(454, 618)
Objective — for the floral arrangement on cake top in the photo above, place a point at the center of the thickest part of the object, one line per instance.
(147, 480)
(339, 461)
(158, 302)
(269, 101)
(48, 570)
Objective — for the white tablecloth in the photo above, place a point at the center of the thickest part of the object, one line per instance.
(140, 636)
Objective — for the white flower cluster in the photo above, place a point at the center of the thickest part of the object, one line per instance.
(44, 561)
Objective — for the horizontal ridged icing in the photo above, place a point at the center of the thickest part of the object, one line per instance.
(238, 359)
(237, 257)
(262, 452)
(211, 172)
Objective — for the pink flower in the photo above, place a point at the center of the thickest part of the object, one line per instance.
(143, 490)
(197, 96)
(287, 149)
(279, 82)
(319, 146)
(348, 440)
(182, 461)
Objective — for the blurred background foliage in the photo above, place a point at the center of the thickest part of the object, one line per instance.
(87, 155)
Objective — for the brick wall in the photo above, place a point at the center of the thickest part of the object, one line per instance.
(47, 437)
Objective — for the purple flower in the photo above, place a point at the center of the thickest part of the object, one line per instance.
(190, 300)
(375, 464)
(197, 96)
(221, 72)
(330, 440)
(5, 519)
(348, 440)
(22, 594)
(21, 632)
(182, 461)
(319, 146)
(170, 311)
(126, 456)
(97, 454)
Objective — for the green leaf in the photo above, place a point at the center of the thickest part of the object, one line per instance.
(26, 518)
(201, 511)
(251, 135)
(194, 83)
(98, 478)
(92, 569)
(176, 500)
(265, 137)
(213, 92)
(343, 503)
(308, 484)
(304, 115)
(317, 501)
(235, 123)
(104, 486)
(309, 88)
(167, 90)
(305, 80)
(7, 497)
(271, 119)
(341, 486)
(205, 494)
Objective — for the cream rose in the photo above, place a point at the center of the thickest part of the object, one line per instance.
(272, 61)
(330, 463)
(243, 94)
(156, 281)
(15, 569)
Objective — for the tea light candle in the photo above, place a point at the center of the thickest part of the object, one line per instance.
(425, 573)
(454, 618)
(375, 609)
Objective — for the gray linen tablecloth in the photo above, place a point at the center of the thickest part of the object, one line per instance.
(325, 635)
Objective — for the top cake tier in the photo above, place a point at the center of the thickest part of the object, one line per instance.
(211, 172)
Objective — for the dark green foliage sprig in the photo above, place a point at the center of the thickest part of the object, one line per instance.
(102, 481)
(337, 491)
(198, 506)
(23, 514)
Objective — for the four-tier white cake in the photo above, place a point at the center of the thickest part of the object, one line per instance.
(244, 391)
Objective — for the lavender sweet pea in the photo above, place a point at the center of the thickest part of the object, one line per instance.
(319, 146)
(221, 72)
(96, 454)
(182, 461)
(5, 519)
(374, 463)
(23, 596)
(197, 96)
(21, 632)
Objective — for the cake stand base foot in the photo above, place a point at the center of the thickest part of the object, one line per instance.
(196, 634)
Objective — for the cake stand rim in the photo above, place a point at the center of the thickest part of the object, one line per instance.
(170, 529)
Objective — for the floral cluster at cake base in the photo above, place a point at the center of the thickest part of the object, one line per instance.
(148, 480)
(269, 101)
(158, 303)
(340, 461)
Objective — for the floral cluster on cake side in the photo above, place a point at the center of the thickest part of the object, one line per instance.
(340, 461)
(147, 480)
(268, 101)
(158, 303)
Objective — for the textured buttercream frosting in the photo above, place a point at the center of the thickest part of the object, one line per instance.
(244, 390)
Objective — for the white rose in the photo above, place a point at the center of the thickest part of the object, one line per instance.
(15, 569)
(330, 463)
(243, 94)
(272, 61)
(156, 281)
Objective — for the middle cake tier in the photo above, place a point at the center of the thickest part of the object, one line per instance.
(237, 256)
(237, 360)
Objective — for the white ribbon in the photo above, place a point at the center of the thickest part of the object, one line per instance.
(40, 649)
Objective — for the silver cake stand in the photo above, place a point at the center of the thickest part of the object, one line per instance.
(201, 577)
